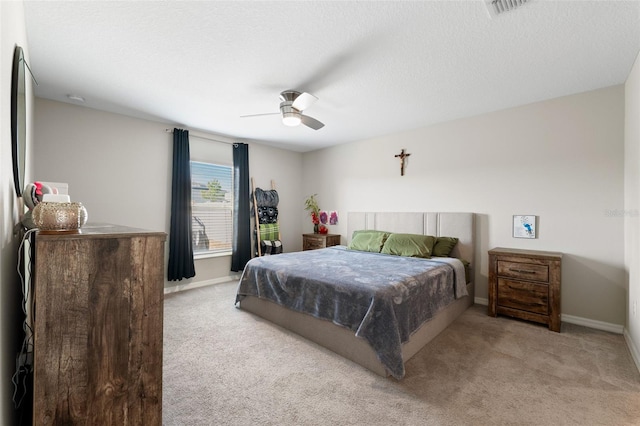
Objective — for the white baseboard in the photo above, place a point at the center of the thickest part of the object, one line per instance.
(481, 301)
(198, 284)
(632, 348)
(586, 322)
(598, 325)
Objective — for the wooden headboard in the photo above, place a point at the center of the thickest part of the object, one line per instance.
(439, 224)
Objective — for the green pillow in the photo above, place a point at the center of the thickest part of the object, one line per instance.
(370, 231)
(444, 246)
(368, 241)
(410, 245)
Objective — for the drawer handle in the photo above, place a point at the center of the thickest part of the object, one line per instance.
(524, 271)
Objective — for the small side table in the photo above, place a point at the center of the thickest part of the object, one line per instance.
(318, 241)
(525, 284)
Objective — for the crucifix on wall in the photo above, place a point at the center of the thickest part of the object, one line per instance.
(402, 157)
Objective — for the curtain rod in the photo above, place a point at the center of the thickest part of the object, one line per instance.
(206, 138)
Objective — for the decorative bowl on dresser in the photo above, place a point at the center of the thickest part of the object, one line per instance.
(525, 284)
(318, 241)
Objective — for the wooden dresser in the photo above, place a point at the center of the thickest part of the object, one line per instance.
(318, 241)
(98, 304)
(525, 284)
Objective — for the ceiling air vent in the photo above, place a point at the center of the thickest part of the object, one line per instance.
(499, 7)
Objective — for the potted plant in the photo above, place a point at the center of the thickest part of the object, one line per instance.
(311, 205)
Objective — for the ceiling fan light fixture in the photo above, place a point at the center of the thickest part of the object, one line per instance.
(291, 119)
(291, 107)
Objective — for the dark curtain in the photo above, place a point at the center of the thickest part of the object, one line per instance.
(241, 247)
(180, 248)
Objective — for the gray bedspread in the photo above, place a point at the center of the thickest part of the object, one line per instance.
(381, 298)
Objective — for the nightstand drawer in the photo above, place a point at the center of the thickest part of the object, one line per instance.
(523, 271)
(526, 296)
(311, 243)
(318, 241)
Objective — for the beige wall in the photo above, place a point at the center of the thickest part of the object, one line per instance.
(120, 168)
(561, 160)
(12, 33)
(632, 207)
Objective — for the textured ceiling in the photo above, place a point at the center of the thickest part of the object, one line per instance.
(377, 67)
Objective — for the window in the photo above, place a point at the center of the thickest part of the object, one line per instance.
(211, 208)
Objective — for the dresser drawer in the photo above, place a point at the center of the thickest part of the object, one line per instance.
(526, 296)
(523, 271)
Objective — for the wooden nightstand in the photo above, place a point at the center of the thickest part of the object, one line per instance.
(318, 241)
(525, 284)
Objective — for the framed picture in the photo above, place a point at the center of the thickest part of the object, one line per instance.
(524, 226)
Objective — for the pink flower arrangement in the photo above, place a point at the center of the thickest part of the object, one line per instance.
(320, 218)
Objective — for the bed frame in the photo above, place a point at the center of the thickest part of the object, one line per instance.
(343, 341)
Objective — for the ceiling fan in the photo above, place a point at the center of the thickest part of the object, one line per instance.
(291, 106)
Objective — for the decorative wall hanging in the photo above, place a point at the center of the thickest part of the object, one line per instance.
(402, 156)
(524, 226)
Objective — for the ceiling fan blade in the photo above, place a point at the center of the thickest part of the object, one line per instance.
(311, 122)
(304, 101)
(258, 115)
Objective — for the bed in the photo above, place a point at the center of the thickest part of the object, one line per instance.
(305, 292)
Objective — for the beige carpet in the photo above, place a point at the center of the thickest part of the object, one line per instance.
(223, 366)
